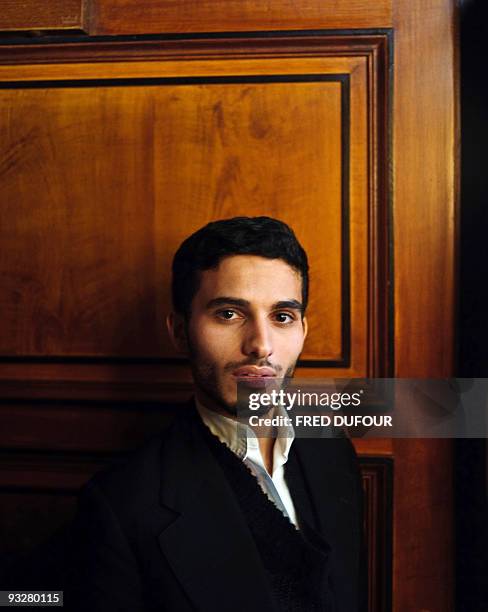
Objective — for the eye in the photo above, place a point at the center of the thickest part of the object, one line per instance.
(227, 314)
(284, 317)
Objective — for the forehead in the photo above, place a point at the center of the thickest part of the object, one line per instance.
(251, 277)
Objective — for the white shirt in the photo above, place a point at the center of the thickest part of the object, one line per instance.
(243, 442)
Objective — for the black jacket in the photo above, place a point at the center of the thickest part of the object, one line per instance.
(165, 532)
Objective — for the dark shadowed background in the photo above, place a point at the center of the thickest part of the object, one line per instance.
(471, 463)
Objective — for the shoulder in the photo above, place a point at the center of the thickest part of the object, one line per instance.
(335, 454)
(135, 481)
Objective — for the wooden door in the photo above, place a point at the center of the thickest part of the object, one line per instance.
(129, 124)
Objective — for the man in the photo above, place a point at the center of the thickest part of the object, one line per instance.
(203, 518)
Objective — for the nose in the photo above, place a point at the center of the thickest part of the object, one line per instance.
(258, 339)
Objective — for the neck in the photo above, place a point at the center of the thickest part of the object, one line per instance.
(207, 402)
(266, 446)
(266, 442)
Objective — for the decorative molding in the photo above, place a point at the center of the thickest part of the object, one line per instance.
(378, 495)
(52, 471)
(376, 43)
(374, 46)
(132, 17)
(343, 79)
(44, 15)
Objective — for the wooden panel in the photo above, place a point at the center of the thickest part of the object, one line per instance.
(92, 427)
(425, 199)
(375, 447)
(134, 17)
(423, 526)
(28, 518)
(42, 15)
(36, 366)
(90, 284)
(378, 481)
(425, 188)
(86, 269)
(38, 494)
(52, 472)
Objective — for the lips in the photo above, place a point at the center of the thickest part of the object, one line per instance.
(254, 372)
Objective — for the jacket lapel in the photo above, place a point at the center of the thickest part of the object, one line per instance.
(330, 471)
(208, 545)
(330, 481)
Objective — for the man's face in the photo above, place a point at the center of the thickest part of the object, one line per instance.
(245, 321)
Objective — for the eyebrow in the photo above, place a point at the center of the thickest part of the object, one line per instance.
(292, 304)
(238, 302)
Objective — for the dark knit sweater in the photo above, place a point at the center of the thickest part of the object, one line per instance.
(296, 567)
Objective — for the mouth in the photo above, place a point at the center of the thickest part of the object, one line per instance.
(247, 372)
(253, 376)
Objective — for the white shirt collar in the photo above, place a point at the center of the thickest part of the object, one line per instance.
(242, 440)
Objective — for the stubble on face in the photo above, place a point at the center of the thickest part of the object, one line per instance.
(206, 378)
(256, 291)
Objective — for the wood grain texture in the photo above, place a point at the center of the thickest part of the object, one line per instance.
(91, 428)
(106, 212)
(423, 546)
(377, 447)
(425, 188)
(56, 472)
(425, 143)
(119, 51)
(186, 153)
(134, 17)
(106, 247)
(42, 15)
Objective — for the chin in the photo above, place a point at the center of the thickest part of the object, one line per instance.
(228, 405)
(229, 408)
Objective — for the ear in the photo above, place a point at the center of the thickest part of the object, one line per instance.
(176, 325)
(305, 327)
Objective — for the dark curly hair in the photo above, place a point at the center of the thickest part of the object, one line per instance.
(204, 249)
